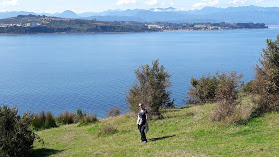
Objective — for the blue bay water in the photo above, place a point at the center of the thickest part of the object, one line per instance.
(93, 72)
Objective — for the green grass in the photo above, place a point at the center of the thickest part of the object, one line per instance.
(183, 132)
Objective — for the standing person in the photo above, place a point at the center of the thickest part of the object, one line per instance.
(142, 122)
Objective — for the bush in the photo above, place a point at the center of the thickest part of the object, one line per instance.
(203, 90)
(249, 88)
(66, 118)
(267, 79)
(107, 129)
(150, 88)
(88, 119)
(43, 121)
(50, 121)
(79, 115)
(16, 136)
(38, 121)
(227, 95)
(241, 115)
(113, 112)
(85, 119)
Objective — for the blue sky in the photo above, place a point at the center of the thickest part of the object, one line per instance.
(79, 6)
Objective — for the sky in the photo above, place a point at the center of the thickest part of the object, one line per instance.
(80, 6)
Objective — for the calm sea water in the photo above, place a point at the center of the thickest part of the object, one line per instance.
(93, 72)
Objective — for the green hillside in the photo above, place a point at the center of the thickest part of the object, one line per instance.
(182, 132)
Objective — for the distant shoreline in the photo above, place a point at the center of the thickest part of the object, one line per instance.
(36, 24)
(272, 26)
(61, 33)
(212, 30)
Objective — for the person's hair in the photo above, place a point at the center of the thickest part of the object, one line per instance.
(141, 105)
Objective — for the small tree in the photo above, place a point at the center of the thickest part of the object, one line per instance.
(267, 79)
(16, 137)
(227, 95)
(203, 90)
(150, 88)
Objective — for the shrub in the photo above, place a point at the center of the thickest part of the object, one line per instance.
(113, 112)
(249, 88)
(66, 118)
(50, 121)
(107, 129)
(150, 88)
(227, 95)
(85, 119)
(16, 136)
(229, 86)
(267, 79)
(38, 121)
(43, 121)
(88, 119)
(241, 115)
(79, 115)
(203, 90)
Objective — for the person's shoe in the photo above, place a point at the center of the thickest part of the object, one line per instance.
(145, 141)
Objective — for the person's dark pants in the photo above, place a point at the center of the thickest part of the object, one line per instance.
(142, 133)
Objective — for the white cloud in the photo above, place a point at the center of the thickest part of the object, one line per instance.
(238, 1)
(206, 3)
(122, 2)
(9, 3)
(167, 4)
(151, 2)
(245, 2)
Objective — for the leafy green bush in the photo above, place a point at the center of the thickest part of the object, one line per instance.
(151, 89)
(115, 111)
(50, 121)
(86, 119)
(43, 121)
(16, 136)
(203, 90)
(267, 79)
(66, 118)
(38, 121)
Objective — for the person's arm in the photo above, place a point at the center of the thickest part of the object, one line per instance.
(146, 115)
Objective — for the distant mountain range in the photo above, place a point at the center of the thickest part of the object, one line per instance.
(267, 15)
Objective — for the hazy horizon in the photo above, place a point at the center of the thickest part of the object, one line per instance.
(176, 9)
(52, 6)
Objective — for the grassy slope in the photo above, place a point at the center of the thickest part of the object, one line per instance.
(184, 132)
